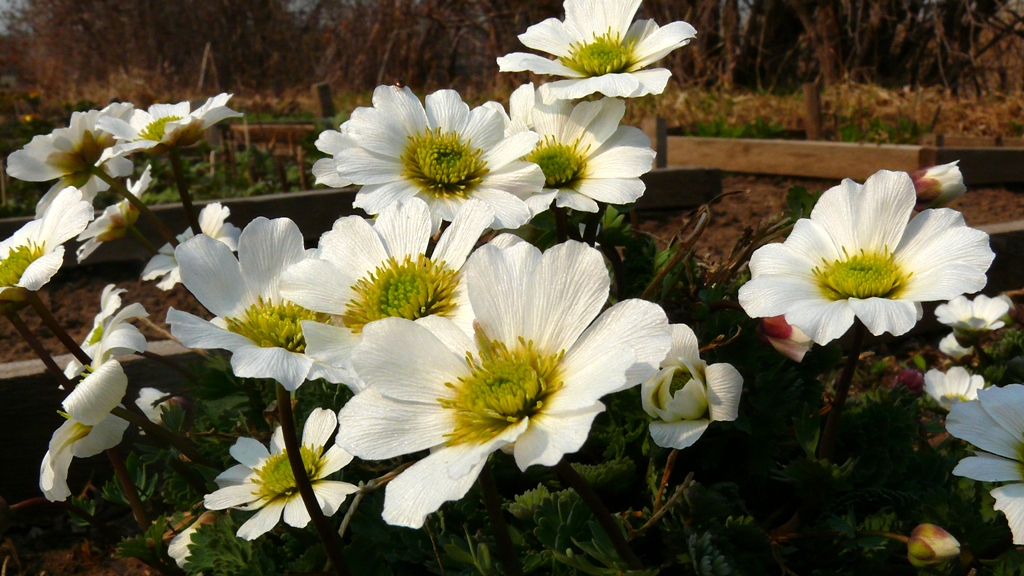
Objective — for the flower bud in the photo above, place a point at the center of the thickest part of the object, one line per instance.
(930, 545)
(938, 185)
(911, 379)
(786, 339)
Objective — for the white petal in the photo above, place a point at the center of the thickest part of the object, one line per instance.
(988, 468)
(497, 280)
(335, 458)
(548, 36)
(325, 170)
(509, 211)
(1006, 406)
(353, 246)
(295, 513)
(664, 40)
(612, 85)
(871, 217)
(627, 154)
(265, 249)
(447, 111)
(319, 428)
(332, 345)
(524, 62)
(724, 388)
(510, 150)
(317, 285)
(263, 521)
(231, 497)
(362, 167)
(572, 200)
(552, 436)
(374, 427)
(678, 435)
(288, 368)
(332, 494)
(422, 488)
(404, 228)
(194, 332)
(459, 239)
(1010, 501)
(99, 393)
(881, 315)
(593, 123)
(376, 197)
(237, 474)
(946, 257)
(249, 452)
(970, 422)
(612, 190)
(40, 271)
(103, 436)
(211, 273)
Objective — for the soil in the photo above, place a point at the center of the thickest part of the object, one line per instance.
(73, 296)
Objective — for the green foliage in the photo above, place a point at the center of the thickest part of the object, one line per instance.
(216, 550)
(721, 127)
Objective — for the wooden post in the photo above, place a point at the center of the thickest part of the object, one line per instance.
(812, 111)
(323, 94)
(202, 67)
(3, 181)
(282, 174)
(300, 159)
(661, 148)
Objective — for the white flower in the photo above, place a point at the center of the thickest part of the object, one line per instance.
(787, 340)
(30, 257)
(178, 548)
(951, 347)
(938, 185)
(444, 154)
(151, 401)
(115, 220)
(332, 142)
(600, 49)
(970, 318)
(264, 480)
(253, 321)
(993, 423)
(89, 430)
(166, 125)
(111, 334)
(69, 155)
(956, 385)
(367, 272)
(213, 223)
(686, 395)
(585, 155)
(530, 381)
(858, 257)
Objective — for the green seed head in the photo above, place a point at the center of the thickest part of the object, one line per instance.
(681, 378)
(157, 129)
(563, 165)
(605, 54)
(862, 276)
(13, 266)
(275, 477)
(95, 336)
(408, 289)
(442, 164)
(275, 325)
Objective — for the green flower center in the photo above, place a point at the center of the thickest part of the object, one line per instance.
(95, 336)
(606, 54)
(680, 379)
(157, 128)
(275, 477)
(442, 164)
(13, 266)
(408, 289)
(562, 164)
(275, 325)
(504, 386)
(862, 276)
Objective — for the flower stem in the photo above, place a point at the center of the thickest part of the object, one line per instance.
(186, 198)
(130, 491)
(142, 240)
(138, 204)
(331, 540)
(618, 272)
(188, 374)
(571, 477)
(592, 225)
(492, 500)
(39, 350)
(561, 223)
(47, 317)
(827, 445)
(157, 431)
(669, 465)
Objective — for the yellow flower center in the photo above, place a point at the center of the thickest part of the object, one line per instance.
(275, 477)
(408, 289)
(443, 165)
(95, 336)
(563, 165)
(863, 275)
(504, 386)
(605, 54)
(13, 266)
(78, 163)
(156, 129)
(275, 325)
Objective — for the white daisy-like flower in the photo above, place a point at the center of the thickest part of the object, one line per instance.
(368, 272)
(599, 48)
(264, 481)
(213, 223)
(163, 126)
(332, 142)
(687, 394)
(115, 220)
(89, 430)
(530, 380)
(858, 257)
(151, 401)
(994, 424)
(586, 156)
(970, 318)
(261, 328)
(443, 154)
(69, 155)
(951, 347)
(956, 385)
(33, 254)
(111, 334)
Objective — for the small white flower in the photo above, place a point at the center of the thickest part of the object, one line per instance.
(166, 125)
(530, 381)
(89, 430)
(115, 220)
(858, 257)
(443, 154)
(956, 385)
(951, 347)
(69, 155)
(586, 156)
(938, 185)
(151, 401)
(30, 257)
(687, 394)
(213, 223)
(367, 272)
(970, 318)
(264, 481)
(600, 49)
(332, 142)
(111, 334)
(993, 424)
(253, 321)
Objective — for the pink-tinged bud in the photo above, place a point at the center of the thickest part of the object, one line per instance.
(930, 545)
(786, 339)
(938, 185)
(912, 380)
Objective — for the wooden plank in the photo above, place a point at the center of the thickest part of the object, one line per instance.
(954, 141)
(679, 188)
(1007, 241)
(278, 133)
(985, 165)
